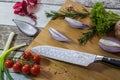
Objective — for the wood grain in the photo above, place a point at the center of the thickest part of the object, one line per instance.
(56, 70)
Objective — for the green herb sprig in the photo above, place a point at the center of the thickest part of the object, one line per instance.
(73, 14)
(87, 35)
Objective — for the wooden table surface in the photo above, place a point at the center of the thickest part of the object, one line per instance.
(6, 16)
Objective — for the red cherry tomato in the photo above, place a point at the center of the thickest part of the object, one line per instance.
(27, 54)
(9, 63)
(36, 58)
(35, 70)
(17, 67)
(26, 69)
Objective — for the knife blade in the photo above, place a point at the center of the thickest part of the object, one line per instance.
(72, 56)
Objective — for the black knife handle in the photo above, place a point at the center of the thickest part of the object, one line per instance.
(113, 61)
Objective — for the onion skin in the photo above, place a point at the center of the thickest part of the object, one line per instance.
(110, 48)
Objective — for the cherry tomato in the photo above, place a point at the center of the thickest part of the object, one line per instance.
(27, 54)
(36, 58)
(17, 67)
(26, 69)
(35, 70)
(9, 63)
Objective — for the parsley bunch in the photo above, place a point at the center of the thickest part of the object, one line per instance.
(103, 20)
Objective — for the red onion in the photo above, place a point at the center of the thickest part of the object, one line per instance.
(25, 27)
(58, 35)
(110, 44)
(76, 24)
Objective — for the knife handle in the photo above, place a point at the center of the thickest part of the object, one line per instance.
(113, 61)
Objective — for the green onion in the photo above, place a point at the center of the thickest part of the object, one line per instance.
(5, 52)
(10, 38)
(6, 48)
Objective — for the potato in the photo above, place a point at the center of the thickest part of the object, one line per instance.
(117, 30)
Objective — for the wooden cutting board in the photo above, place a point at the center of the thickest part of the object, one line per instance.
(56, 70)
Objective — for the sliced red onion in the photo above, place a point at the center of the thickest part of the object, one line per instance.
(110, 44)
(58, 36)
(75, 23)
(25, 27)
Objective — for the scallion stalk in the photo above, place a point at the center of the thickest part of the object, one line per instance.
(5, 52)
(10, 38)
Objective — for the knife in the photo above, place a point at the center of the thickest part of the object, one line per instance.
(72, 56)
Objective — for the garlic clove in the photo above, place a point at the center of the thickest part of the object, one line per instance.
(109, 44)
(25, 27)
(75, 23)
(57, 35)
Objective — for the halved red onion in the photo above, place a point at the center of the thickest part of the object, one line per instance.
(109, 44)
(25, 27)
(76, 24)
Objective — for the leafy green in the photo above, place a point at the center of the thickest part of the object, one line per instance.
(103, 20)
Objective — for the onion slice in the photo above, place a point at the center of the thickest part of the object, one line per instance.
(75, 24)
(58, 35)
(26, 28)
(109, 44)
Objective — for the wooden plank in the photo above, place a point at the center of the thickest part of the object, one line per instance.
(18, 39)
(56, 70)
(107, 3)
(7, 14)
